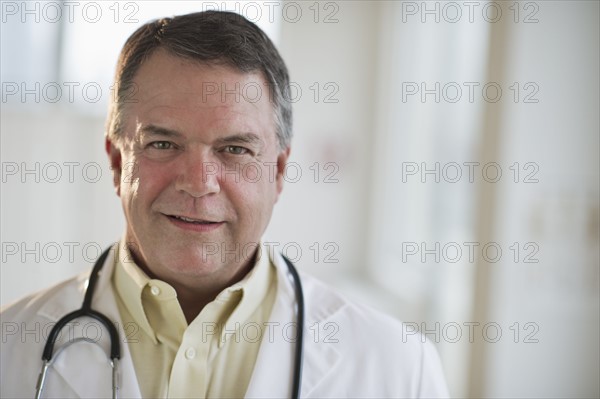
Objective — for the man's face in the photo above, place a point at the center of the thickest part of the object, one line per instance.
(198, 168)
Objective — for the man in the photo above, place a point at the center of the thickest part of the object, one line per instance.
(202, 307)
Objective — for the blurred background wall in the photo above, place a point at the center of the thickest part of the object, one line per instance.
(445, 167)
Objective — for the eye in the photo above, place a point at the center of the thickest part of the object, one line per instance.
(236, 150)
(161, 145)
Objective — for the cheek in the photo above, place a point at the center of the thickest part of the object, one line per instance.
(143, 181)
(255, 194)
(253, 173)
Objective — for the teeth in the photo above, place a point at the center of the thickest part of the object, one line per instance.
(191, 220)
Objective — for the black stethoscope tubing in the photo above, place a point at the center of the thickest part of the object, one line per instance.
(300, 328)
(115, 348)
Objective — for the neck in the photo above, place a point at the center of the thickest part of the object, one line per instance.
(194, 295)
(192, 299)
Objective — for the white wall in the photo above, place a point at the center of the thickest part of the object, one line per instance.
(334, 132)
(559, 214)
(56, 217)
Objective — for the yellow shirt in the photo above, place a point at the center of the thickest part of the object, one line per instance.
(213, 356)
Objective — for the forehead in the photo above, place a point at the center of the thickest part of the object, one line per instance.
(185, 91)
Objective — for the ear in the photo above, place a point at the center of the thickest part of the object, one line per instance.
(281, 163)
(114, 157)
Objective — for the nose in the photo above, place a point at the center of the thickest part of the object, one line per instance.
(198, 176)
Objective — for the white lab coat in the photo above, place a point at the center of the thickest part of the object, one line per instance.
(350, 350)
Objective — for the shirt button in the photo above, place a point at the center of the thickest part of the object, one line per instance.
(190, 353)
(155, 290)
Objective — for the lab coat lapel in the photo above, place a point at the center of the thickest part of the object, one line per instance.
(273, 371)
(83, 366)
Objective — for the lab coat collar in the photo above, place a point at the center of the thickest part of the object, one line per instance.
(95, 363)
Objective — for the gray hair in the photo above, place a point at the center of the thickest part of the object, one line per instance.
(211, 37)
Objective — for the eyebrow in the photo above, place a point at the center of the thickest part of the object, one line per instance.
(161, 131)
(246, 138)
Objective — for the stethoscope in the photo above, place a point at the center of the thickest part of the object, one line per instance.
(115, 348)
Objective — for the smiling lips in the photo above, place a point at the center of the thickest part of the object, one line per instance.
(190, 220)
(193, 224)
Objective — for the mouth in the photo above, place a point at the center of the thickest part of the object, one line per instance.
(190, 220)
(193, 223)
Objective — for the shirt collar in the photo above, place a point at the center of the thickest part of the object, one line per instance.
(237, 302)
(253, 289)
